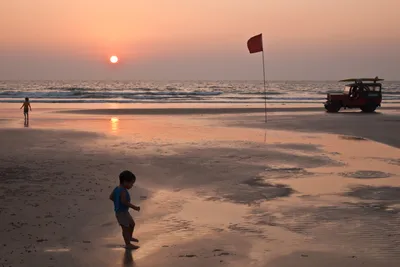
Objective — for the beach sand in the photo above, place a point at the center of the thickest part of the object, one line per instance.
(216, 185)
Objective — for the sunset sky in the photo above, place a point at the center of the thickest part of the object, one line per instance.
(193, 39)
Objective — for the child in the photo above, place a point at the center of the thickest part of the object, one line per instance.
(122, 202)
(26, 105)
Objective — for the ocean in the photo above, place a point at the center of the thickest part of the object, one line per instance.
(177, 91)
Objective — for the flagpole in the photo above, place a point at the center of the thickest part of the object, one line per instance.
(255, 45)
(265, 88)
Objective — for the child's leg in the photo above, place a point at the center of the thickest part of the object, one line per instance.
(132, 226)
(128, 225)
(131, 229)
(126, 234)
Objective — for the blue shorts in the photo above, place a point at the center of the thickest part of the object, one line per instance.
(125, 219)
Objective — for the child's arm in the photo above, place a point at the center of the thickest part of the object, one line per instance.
(125, 201)
(29, 104)
(111, 197)
(22, 106)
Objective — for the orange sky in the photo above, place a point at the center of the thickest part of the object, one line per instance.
(191, 39)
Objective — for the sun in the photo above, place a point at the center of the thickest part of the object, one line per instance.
(114, 59)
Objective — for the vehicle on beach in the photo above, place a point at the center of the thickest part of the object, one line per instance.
(362, 93)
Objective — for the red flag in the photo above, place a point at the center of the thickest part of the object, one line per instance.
(254, 44)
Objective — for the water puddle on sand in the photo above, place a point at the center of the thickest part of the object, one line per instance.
(190, 219)
(213, 213)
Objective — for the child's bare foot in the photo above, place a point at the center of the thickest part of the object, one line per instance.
(134, 239)
(131, 246)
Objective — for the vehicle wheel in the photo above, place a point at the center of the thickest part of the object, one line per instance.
(369, 108)
(333, 107)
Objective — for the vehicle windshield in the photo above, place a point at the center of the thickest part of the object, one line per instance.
(374, 88)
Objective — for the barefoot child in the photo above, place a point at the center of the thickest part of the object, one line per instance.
(122, 202)
(27, 106)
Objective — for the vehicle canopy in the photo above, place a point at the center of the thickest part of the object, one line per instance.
(360, 80)
(363, 84)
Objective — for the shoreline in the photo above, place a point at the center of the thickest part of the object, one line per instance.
(182, 108)
(216, 111)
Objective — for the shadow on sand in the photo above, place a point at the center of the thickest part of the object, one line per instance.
(350, 112)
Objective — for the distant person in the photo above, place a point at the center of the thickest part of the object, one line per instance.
(27, 106)
(122, 202)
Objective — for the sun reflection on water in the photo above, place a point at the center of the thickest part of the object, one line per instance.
(114, 124)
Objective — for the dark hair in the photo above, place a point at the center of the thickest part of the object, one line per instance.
(126, 176)
(26, 98)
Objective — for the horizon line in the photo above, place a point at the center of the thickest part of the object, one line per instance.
(174, 80)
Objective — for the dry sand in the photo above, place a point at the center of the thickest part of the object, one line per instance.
(217, 188)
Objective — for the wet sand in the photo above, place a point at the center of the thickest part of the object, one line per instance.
(217, 189)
